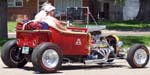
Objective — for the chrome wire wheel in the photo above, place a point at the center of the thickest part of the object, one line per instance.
(50, 58)
(140, 56)
(47, 58)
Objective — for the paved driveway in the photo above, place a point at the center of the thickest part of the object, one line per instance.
(119, 68)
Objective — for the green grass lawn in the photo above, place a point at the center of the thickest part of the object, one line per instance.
(126, 25)
(115, 25)
(128, 40)
(11, 26)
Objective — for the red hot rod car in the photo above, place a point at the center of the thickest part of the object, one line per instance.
(48, 49)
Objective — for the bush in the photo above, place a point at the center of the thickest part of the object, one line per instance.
(2, 41)
(130, 40)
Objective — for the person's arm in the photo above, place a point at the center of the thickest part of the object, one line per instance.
(63, 23)
(66, 24)
(59, 25)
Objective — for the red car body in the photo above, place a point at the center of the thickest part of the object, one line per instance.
(71, 43)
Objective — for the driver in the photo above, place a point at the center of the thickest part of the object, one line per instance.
(51, 20)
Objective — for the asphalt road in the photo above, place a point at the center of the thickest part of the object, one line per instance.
(120, 67)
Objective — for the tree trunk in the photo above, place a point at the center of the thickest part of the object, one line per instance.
(144, 12)
(3, 19)
(94, 9)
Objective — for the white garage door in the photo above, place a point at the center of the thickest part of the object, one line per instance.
(61, 5)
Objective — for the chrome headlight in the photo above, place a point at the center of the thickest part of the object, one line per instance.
(120, 44)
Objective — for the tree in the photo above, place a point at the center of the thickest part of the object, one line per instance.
(3, 19)
(144, 12)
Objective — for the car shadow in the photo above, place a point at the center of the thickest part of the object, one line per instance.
(75, 67)
(90, 67)
(30, 68)
(137, 68)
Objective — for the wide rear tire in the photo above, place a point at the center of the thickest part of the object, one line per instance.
(47, 58)
(12, 56)
(138, 56)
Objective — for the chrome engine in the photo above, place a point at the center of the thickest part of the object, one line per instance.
(100, 50)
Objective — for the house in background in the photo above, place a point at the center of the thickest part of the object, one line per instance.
(18, 8)
(106, 9)
(100, 9)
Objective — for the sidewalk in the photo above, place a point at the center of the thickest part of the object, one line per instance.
(108, 32)
(125, 33)
(11, 35)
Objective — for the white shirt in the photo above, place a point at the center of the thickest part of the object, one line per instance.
(40, 16)
(50, 21)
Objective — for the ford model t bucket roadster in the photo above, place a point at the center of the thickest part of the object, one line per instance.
(49, 49)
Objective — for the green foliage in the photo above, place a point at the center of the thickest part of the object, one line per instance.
(3, 40)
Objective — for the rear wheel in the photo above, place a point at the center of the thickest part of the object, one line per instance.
(138, 56)
(11, 55)
(47, 58)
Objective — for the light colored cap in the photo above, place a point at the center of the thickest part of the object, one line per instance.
(47, 7)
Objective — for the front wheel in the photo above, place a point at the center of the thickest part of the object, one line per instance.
(138, 56)
(47, 58)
